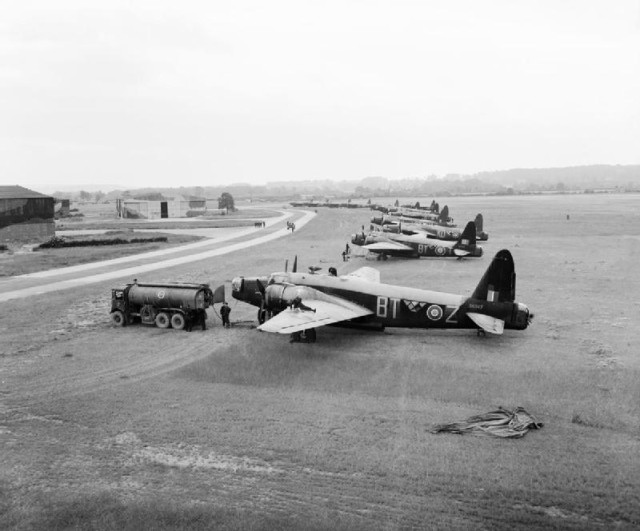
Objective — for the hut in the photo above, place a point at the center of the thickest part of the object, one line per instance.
(177, 207)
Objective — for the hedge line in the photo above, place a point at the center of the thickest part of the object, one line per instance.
(57, 242)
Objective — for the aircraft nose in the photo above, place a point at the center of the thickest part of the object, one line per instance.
(236, 284)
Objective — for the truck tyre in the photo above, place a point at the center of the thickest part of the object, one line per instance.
(162, 320)
(117, 318)
(178, 321)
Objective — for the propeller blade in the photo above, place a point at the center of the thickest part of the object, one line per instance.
(260, 286)
(294, 269)
(286, 265)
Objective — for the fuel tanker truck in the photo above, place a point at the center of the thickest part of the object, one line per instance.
(179, 305)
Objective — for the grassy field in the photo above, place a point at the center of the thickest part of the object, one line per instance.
(141, 428)
(21, 263)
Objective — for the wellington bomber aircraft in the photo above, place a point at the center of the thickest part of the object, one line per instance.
(411, 226)
(298, 303)
(416, 245)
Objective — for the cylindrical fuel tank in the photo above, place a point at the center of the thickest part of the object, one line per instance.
(185, 296)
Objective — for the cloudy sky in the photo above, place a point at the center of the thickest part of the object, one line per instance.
(143, 93)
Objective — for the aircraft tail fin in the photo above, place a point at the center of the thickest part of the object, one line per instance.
(467, 239)
(498, 284)
(479, 223)
(444, 215)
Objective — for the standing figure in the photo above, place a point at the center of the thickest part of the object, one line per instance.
(224, 313)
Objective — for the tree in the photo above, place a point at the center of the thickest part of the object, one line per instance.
(99, 196)
(85, 196)
(226, 201)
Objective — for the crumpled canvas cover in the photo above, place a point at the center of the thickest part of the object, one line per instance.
(498, 423)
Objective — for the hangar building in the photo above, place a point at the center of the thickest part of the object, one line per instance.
(25, 215)
(179, 207)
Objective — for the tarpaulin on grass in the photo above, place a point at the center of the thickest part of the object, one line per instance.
(499, 423)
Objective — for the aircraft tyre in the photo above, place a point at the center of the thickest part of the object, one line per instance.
(162, 320)
(262, 315)
(118, 318)
(178, 321)
(308, 335)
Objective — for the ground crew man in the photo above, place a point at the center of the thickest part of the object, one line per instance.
(224, 313)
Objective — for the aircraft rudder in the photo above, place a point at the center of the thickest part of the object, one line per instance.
(444, 214)
(468, 237)
(498, 284)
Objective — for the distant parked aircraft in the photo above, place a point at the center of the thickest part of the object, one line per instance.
(416, 245)
(412, 226)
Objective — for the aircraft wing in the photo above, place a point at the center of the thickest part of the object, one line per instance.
(366, 273)
(330, 310)
(487, 323)
(382, 247)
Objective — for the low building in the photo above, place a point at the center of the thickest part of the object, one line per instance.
(25, 216)
(178, 207)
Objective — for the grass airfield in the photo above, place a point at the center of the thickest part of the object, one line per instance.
(141, 428)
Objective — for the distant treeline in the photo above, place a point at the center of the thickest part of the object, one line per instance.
(514, 181)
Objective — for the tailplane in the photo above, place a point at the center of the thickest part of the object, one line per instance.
(499, 281)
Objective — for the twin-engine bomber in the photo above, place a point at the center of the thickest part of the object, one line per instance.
(178, 305)
(301, 302)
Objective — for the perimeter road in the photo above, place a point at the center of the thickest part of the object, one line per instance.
(81, 280)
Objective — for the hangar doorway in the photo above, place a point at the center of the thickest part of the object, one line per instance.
(164, 209)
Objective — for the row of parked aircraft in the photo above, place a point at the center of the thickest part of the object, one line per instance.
(298, 303)
(412, 233)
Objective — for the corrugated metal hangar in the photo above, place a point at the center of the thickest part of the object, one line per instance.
(25, 215)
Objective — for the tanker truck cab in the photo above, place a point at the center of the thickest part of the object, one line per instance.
(179, 305)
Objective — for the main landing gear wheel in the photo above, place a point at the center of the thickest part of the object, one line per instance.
(178, 321)
(117, 318)
(162, 320)
(262, 315)
(308, 335)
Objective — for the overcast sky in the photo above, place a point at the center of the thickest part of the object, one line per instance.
(143, 93)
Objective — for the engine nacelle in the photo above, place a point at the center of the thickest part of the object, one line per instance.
(279, 296)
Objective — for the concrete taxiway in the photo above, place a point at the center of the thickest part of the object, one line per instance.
(215, 244)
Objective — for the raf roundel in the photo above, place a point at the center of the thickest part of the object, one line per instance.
(160, 294)
(434, 312)
(439, 250)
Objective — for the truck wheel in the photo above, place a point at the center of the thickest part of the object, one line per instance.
(162, 320)
(178, 321)
(117, 318)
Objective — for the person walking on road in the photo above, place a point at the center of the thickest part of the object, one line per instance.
(224, 313)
